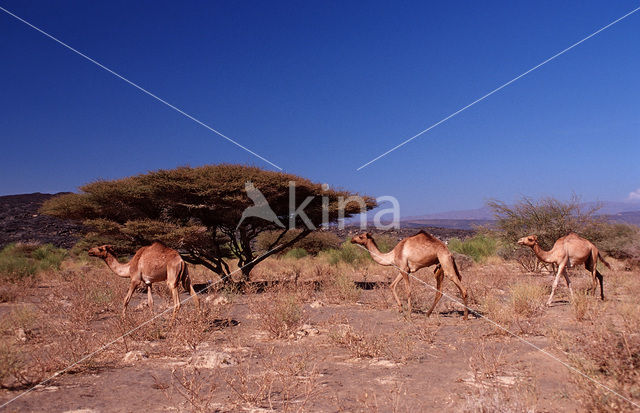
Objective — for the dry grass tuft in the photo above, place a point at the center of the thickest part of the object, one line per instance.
(497, 387)
(341, 288)
(609, 352)
(281, 312)
(197, 390)
(282, 382)
(360, 345)
(528, 299)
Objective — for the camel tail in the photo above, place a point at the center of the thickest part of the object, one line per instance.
(183, 277)
(603, 261)
(455, 267)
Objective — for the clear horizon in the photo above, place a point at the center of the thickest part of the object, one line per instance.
(320, 89)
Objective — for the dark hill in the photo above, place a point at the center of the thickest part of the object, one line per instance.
(20, 221)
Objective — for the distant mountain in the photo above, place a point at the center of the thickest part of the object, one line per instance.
(484, 213)
(462, 224)
(630, 217)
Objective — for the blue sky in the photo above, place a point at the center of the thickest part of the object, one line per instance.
(320, 88)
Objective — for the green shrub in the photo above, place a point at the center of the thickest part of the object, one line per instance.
(296, 253)
(18, 261)
(479, 247)
(348, 253)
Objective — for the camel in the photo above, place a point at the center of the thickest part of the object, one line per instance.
(410, 255)
(568, 251)
(150, 264)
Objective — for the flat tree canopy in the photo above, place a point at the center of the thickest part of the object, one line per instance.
(197, 211)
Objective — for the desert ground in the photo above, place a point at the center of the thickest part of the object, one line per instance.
(326, 337)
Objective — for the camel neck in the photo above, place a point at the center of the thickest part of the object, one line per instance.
(540, 253)
(378, 256)
(122, 270)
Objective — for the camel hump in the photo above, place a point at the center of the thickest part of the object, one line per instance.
(427, 235)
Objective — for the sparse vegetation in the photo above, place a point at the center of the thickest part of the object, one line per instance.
(347, 253)
(281, 313)
(609, 353)
(528, 298)
(342, 288)
(18, 261)
(480, 247)
(360, 345)
(296, 253)
(293, 339)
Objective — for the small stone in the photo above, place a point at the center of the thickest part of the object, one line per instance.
(21, 335)
(134, 355)
(220, 300)
(213, 359)
(307, 330)
(316, 304)
(81, 411)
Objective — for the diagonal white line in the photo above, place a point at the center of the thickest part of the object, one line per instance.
(88, 356)
(140, 88)
(546, 353)
(499, 88)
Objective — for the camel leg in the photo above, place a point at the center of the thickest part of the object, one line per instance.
(566, 278)
(555, 282)
(600, 279)
(176, 302)
(127, 298)
(591, 266)
(394, 284)
(450, 271)
(149, 298)
(439, 277)
(407, 287)
(463, 293)
(194, 295)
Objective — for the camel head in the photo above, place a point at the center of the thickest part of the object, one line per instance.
(101, 251)
(362, 239)
(529, 241)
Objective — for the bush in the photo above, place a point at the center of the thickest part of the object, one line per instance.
(547, 218)
(480, 247)
(296, 253)
(621, 241)
(282, 315)
(551, 219)
(528, 299)
(18, 261)
(343, 287)
(313, 243)
(347, 253)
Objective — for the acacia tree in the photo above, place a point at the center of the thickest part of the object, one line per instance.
(198, 211)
